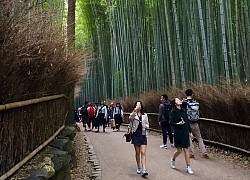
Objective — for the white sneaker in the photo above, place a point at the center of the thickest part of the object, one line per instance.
(164, 146)
(144, 173)
(189, 170)
(172, 163)
(138, 170)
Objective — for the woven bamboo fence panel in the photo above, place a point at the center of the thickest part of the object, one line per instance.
(25, 127)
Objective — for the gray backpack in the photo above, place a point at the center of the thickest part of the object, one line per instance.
(193, 110)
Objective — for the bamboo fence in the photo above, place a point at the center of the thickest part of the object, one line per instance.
(226, 134)
(26, 125)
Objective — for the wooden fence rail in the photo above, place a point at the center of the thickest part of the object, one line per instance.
(227, 134)
(26, 125)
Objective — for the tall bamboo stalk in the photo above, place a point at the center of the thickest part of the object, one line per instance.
(148, 45)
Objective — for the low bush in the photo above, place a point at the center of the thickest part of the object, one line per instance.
(34, 58)
(222, 102)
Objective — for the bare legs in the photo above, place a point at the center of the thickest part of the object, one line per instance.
(187, 156)
(140, 155)
(186, 153)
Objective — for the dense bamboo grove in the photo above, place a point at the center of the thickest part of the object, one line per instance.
(143, 45)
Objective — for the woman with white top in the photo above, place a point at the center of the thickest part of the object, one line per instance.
(118, 114)
(101, 114)
(138, 124)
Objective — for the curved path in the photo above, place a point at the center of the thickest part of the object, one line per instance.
(118, 163)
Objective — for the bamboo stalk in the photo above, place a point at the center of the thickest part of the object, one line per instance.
(31, 101)
(204, 44)
(224, 42)
(183, 80)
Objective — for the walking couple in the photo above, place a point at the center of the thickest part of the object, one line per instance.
(179, 117)
(184, 117)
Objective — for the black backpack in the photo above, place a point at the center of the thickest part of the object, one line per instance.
(167, 110)
(84, 111)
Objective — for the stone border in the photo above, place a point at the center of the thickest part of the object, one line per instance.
(97, 170)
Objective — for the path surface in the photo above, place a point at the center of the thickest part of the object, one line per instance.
(118, 161)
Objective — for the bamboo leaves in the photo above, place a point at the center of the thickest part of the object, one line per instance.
(143, 45)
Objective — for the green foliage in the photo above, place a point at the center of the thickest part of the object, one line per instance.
(164, 43)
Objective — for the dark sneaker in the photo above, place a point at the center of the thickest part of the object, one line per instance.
(191, 156)
(144, 173)
(205, 155)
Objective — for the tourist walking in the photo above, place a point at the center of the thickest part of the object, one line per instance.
(91, 113)
(76, 116)
(79, 113)
(165, 109)
(101, 114)
(85, 116)
(118, 115)
(106, 117)
(192, 109)
(182, 130)
(111, 115)
(138, 124)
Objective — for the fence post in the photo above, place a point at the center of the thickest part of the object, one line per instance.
(70, 120)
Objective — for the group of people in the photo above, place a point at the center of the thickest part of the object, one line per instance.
(179, 119)
(96, 115)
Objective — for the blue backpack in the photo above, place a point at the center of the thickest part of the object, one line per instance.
(193, 110)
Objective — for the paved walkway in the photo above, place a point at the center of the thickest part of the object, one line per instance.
(118, 161)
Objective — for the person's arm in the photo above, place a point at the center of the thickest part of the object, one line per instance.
(172, 118)
(97, 112)
(187, 121)
(106, 112)
(161, 113)
(113, 113)
(131, 119)
(146, 123)
(132, 115)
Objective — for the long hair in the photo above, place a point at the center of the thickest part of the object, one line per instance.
(142, 109)
(120, 107)
(172, 102)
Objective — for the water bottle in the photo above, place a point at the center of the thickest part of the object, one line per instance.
(143, 132)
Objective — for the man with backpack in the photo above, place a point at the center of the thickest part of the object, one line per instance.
(192, 108)
(85, 116)
(164, 112)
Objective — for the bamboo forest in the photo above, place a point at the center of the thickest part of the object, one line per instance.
(81, 79)
(143, 45)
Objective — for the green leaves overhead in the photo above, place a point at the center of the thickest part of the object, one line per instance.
(155, 44)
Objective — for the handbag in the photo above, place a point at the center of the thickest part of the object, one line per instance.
(128, 136)
(112, 123)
